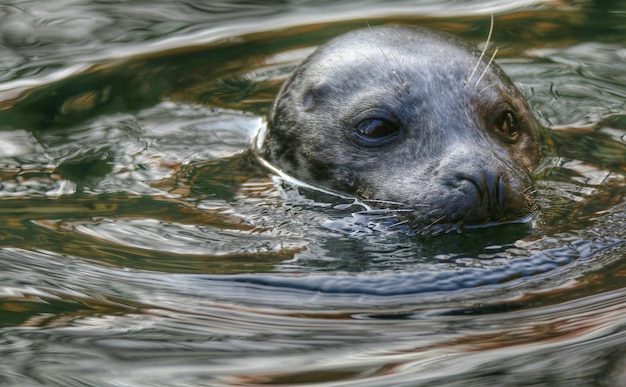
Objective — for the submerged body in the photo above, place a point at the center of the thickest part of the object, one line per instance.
(409, 116)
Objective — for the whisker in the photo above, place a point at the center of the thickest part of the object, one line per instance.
(487, 67)
(398, 224)
(382, 201)
(435, 222)
(482, 54)
(380, 218)
(487, 87)
(532, 192)
(441, 228)
(401, 82)
(384, 212)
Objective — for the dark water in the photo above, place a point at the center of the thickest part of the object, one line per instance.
(142, 244)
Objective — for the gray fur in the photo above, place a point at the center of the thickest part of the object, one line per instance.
(448, 164)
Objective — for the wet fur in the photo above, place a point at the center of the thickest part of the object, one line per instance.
(449, 167)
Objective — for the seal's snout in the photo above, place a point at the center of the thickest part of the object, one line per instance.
(491, 196)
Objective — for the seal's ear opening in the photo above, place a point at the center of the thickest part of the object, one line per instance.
(308, 100)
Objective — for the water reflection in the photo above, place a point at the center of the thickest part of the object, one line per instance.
(143, 244)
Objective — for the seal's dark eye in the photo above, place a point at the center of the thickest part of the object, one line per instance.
(376, 131)
(506, 126)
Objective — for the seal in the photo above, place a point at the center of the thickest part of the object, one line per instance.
(408, 117)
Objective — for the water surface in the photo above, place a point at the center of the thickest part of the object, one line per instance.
(141, 242)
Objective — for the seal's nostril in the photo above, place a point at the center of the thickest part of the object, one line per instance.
(495, 185)
(499, 192)
(487, 190)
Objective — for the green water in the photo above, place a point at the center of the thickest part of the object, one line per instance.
(141, 243)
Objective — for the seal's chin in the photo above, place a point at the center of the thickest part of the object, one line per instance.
(454, 214)
(416, 223)
(450, 216)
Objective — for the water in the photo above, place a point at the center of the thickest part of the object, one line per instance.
(142, 244)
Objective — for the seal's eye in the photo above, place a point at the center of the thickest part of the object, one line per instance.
(376, 132)
(506, 126)
(376, 128)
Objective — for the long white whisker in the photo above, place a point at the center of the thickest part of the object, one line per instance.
(482, 54)
(398, 224)
(486, 87)
(487, 67)
(385, 212)
(381, 201)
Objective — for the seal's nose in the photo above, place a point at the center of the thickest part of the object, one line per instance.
(492, 195)
(486, 189)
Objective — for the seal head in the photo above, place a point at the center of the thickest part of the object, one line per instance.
(389, 114)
